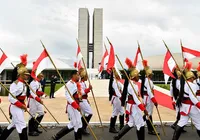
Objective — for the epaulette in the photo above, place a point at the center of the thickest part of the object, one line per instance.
(16, 82)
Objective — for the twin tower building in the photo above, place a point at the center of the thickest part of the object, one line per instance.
(90, 36)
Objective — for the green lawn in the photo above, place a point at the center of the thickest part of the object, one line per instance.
(164, 86)
(47, 88)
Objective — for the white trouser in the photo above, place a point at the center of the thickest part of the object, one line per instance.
(18, 120)
(135, 117)
(148, 105)
(194, 114)
(85, 107)
(75, 118)
(35, 108)
(117, 108)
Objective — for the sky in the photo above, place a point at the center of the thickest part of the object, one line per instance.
(23, 23)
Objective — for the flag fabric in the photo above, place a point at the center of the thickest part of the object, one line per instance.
(4, 61)
(138, 60)
(40, 64)
(168, 66)
(79, 56)
(111, 58)
(104, 61)
(189, 53)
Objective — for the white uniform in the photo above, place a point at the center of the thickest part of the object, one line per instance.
(134, 108)
(116, 102)
(85, 106)
(188, 108)
(149, 96)
(34, 105)
(18, 89)
(74, 114)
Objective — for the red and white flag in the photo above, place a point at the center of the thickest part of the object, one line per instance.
(4, 61)
(189, 53)
(79, 56)
(40, 64)
(111, 59)
(104, 61)
(138, 60)
(168, 66)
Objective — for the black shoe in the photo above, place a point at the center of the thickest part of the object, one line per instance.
(141, 133)
(61, 133)
(84, 128)
(5, 134)
(112, 125)
(78, 134)
(177, 132)
(173, 126)
(153, 132)
(85, 132)
(33, 133)
(122, 132)
(113, 130)
(183, 131)
(23, 135)
(1, 130)
(121, 121)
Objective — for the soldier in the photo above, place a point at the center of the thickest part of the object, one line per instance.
(174, 91)
(116, 91)
(85, 105)
(148, 95)
(17, 107)
(188, 103)
(73, 108)
(35, 105)
(134, 109)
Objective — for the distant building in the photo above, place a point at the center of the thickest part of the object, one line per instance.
(91, 51)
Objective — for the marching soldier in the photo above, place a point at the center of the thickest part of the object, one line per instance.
(188, 103)
(85, 105)
(116, 91)
(72, 108)
(134, 109)
(148, 95)
(35, 105)
(17, 107)
(174, 91)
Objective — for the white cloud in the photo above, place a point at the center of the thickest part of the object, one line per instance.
(24, 22)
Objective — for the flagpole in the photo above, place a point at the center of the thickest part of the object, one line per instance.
(136, 95)
(35, 94)
(152, 92)
(91, 89)
(182, 53)
(68, 90)
(25, 110)
(180, 71)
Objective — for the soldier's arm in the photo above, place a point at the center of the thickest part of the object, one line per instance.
(73, 103)
(34, 88)
(116, 88)
(149, 91)
(14, 89)
(192, 97)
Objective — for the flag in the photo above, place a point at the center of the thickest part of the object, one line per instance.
(40, 64)
(138, 60)
(103, 61)
(111, 59)
(79, 56)
(168, 66)
(4, 61)
(189, 53)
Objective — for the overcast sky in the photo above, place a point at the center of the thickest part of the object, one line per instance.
(24, 22)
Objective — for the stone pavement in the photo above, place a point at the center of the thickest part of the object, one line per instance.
(103, 134)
